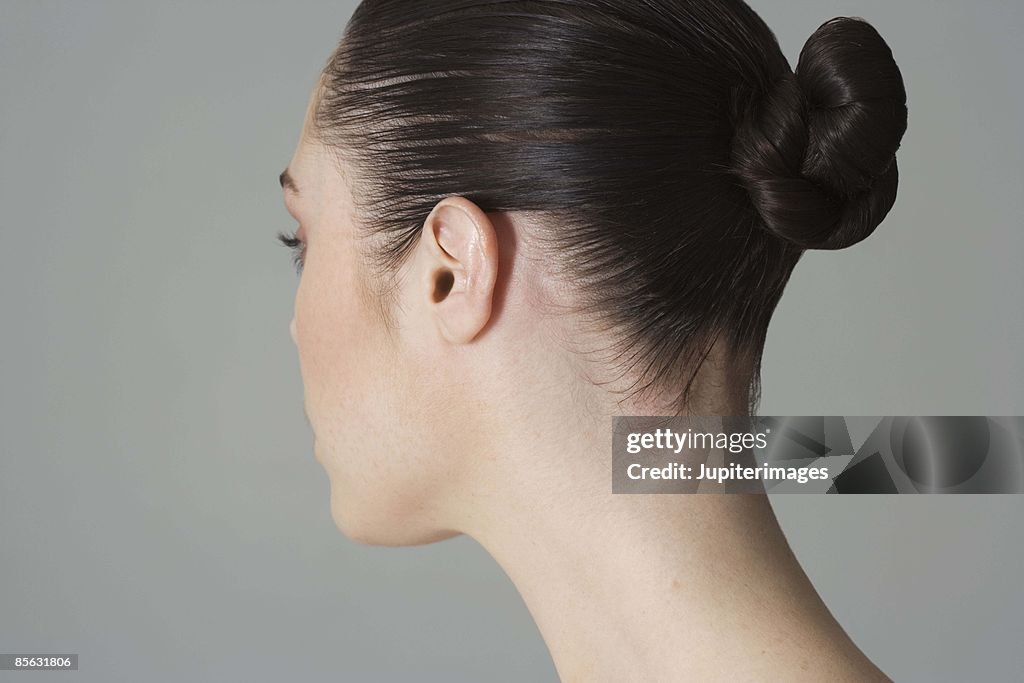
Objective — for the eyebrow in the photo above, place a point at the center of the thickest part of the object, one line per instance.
(287, 182)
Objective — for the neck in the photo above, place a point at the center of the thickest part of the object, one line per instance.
(651, 587)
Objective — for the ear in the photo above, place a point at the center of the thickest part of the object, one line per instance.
(461, 268)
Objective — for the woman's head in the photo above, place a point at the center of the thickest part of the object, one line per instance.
(504, 200)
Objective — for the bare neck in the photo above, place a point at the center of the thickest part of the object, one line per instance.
(658, 587)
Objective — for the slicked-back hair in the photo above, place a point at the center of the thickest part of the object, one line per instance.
(680, 163)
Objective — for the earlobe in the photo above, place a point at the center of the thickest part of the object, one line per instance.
(462, 251)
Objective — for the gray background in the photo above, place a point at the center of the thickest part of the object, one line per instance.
(160, 510)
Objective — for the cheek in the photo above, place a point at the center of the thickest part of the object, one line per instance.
(356, 399)
(348, 370)
(372, 420)
(333, 335)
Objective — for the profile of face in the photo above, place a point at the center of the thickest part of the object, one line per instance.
(388, 427)
(461, 367)
(501, 342)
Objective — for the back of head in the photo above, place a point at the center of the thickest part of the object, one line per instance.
(817, 150)
(680, 164)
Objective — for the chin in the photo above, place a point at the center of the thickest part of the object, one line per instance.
(370, 523)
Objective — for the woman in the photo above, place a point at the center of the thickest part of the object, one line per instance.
(518, 219)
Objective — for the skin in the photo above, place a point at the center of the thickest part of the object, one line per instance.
(478, 415)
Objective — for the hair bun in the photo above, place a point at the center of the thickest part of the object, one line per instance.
(816, 150)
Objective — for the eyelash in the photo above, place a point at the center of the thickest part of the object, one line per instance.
(297, 246)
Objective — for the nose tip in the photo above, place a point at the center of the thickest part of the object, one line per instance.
(291, 328)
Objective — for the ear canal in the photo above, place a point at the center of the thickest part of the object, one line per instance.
(443, 283)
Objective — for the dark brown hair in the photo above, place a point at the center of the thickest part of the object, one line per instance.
(682, 165)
